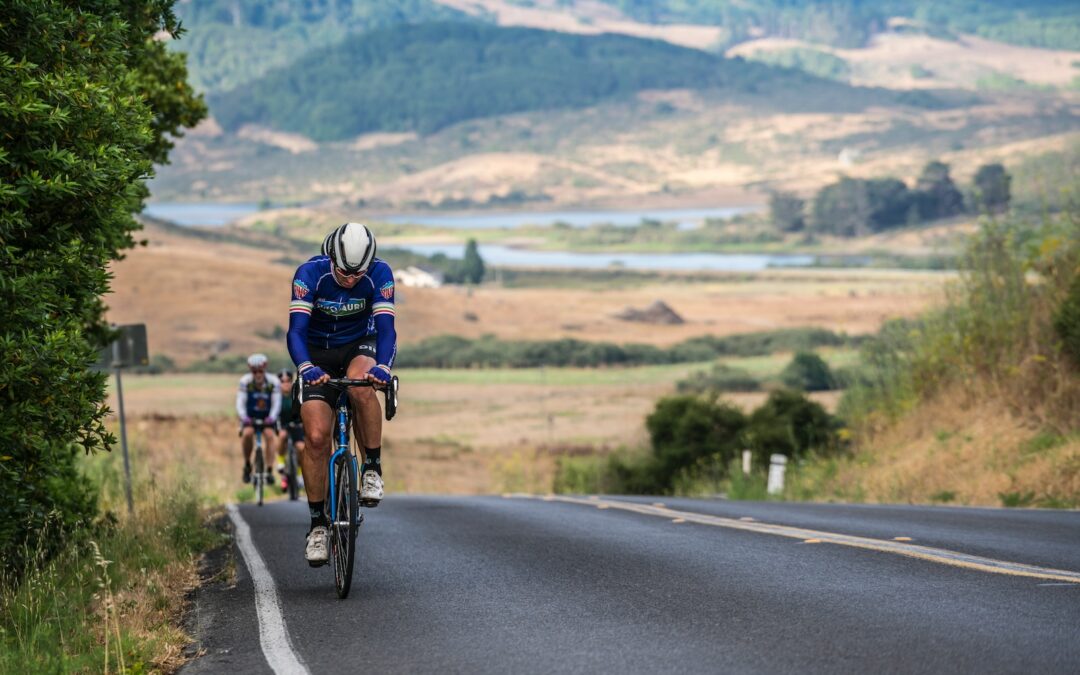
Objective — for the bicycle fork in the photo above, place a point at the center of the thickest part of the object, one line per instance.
(341, 451)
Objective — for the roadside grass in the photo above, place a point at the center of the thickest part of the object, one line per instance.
(950, 451)
(112, 600)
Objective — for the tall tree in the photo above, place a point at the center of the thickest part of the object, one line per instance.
(87, 95)
(992, 188)
(472, 267)
(787, 211)
(936, 195)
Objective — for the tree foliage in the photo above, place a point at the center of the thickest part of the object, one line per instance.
(86, 98)
(787, 210)
(936, 196)
(808, 372)
(992, 188)
(472, 265)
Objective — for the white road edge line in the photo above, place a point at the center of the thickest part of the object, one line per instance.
(273, 637)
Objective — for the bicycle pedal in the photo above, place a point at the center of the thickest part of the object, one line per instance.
(317, 563)
(369, 503)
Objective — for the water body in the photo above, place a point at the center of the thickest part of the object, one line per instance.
(207, 214)
(684, 217)
(210, 214)
(217, 214)
(505, 256)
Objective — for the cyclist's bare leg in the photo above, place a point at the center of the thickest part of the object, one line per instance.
(318, 418)
(367, 415)
(247, 442)
(270, 444)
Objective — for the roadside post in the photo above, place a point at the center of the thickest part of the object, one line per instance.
(747, 460)
(129, 349)
(777, 466)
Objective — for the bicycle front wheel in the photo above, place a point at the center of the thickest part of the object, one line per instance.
(260, 476)
(343, 529)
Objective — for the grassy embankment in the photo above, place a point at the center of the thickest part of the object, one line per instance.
(977, 402)
(112, 600)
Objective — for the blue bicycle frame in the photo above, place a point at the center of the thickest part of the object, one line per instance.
(343, 448)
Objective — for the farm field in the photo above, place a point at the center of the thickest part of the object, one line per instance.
(457, 431)
(202, 298)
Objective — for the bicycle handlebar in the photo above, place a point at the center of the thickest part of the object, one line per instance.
(349, 382)
(390, 389)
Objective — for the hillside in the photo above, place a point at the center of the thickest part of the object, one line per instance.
(229, 43)
(426, 77)
(850, 23)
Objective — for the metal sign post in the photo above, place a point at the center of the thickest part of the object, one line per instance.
(129, 349)
(123, 427)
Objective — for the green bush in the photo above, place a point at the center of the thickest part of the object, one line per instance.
(721, 377)
(1067, 321)
(451, 351)
(684, 429)
(86, 97)
(790, 424)
(1000, 329)
(808, 372)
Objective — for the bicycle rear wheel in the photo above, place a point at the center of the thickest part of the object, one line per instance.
(343, 529)
(259, 476)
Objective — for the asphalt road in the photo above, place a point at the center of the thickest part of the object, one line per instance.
(497, 585)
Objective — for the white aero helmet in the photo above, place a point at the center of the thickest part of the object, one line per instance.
(351, 247)
(257, 361)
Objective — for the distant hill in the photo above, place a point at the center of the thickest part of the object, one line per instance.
(230, 42)
(849, 23)
(425, 77)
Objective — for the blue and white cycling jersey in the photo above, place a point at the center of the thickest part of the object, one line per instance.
(256, 401)
(324, 315)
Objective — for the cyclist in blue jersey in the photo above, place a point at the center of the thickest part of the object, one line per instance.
(341, 324)
(257, 398)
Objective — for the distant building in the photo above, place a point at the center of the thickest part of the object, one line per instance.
(419, 277)
(848, 157)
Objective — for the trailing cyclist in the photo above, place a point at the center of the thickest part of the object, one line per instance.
(341, 324)
(289, 426)
(258, 398)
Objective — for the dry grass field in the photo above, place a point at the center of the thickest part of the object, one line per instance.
(952, 450)
(458, 431)
(200, 298)
(461, 432)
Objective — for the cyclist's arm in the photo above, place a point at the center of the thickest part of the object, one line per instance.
(241, 400)
(299, 320)
(382, 310)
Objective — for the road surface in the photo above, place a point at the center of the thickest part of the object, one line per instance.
(619, 585)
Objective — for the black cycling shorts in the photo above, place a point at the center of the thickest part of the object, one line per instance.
(295, 431)
(335, 361)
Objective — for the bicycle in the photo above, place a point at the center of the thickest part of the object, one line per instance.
(343, 501)
(258, 476)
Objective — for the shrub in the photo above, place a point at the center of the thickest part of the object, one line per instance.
(721, 378)
(790, 424)
(808, 372)
(1067, 321)
(683, 429)
(86, 98)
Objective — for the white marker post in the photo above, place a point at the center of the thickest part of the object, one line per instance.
(747, 462)
(777, 466)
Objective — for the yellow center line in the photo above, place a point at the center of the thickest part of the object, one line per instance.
(936, 555)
